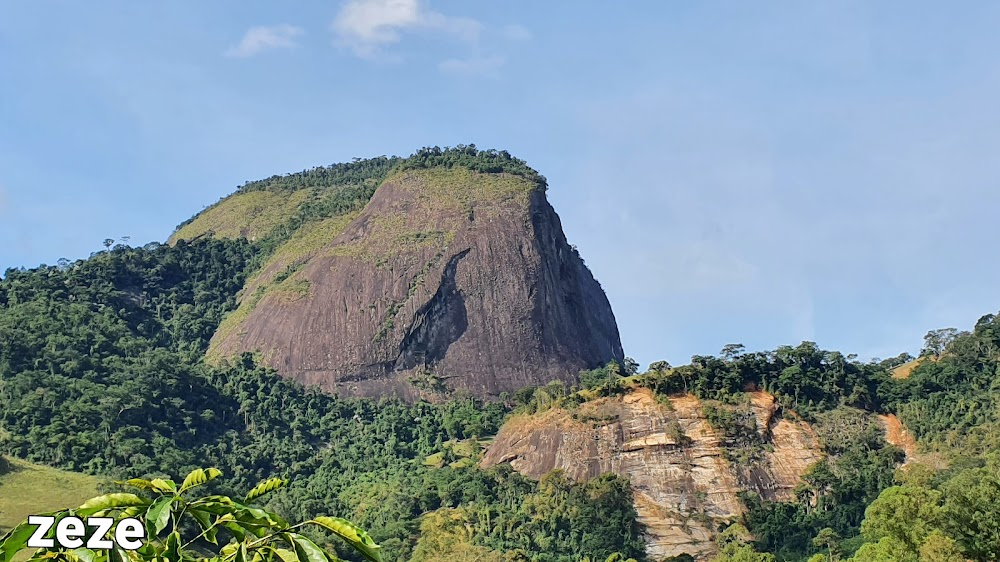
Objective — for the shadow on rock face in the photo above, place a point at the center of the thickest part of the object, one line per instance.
(438, 324)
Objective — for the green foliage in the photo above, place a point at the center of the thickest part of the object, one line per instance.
(952, 402)
(804, 378)
(938, 547)
(745, 446)
(606, 378)
(367, 171)
(885, 550)
(835, 491)
(94, 356)
(468, 156)
(953, 518)
(735, 546)
(907, 514)
(533, 400)
(179, 527)
(558, 519)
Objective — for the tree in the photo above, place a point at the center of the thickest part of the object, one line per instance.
(886, 549)
(830, 540)
(937, 341)
(731, 351)
(168, 513)
(906, 514)
(631, 367)
(938, 547)
(108, 242)
(659, 366)
(972, 510)
(734, 546)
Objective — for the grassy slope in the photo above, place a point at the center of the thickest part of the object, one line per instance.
(31, 489)
(256, 212)
(268, 282)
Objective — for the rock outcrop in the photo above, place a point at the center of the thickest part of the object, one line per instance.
(679, 466)
(448, 280)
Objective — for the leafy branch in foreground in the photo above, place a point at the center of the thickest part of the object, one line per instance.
(179, 528)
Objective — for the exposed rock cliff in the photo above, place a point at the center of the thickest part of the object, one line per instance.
(448, 278)
(897, 435)
(679, 466)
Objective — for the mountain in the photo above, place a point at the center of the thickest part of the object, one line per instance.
(454, 276)
(139, 362)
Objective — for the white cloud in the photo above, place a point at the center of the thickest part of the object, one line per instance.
(264, 38)
(366, 26)
(515, 32)
(478, 66)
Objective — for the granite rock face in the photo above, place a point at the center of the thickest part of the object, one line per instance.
(681, 473)
(448, 280)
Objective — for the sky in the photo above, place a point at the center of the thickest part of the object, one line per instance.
(761, 173)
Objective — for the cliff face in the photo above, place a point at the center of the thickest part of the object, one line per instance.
(679, 467)
(446, 279)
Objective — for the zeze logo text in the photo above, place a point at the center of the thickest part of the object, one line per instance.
(71, 532)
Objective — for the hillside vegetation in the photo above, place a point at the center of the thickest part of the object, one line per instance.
(103, 372)
(27, 489)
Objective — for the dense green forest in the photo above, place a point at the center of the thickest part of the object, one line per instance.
(102, 371)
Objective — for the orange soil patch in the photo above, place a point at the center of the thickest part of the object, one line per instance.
(903, 371)
(897, 435)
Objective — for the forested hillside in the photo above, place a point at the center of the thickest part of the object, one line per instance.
(103, 371)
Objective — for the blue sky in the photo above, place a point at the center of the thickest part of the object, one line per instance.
(762, 173)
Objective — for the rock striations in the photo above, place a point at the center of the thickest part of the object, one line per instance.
(448, 279)
(682, 477)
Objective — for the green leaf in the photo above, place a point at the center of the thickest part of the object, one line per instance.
(173, 547)
(198, 477)
(137, 483)
(285, 555)
(216, 505)
(211, 533)
(148, 551)
(158, 515)
(14, 541)
(238, 532)
(109, 501)
(260, 516)
(85, 554)
(119, 555)
(265, 487)
(354, 535)
(306, 550)
(204, 520)
(133, 511)
(165, 486)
